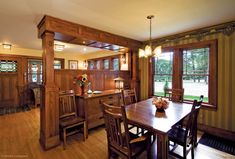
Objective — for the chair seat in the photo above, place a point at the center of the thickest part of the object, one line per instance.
(65, 122)
(138, 143)
(176, 134)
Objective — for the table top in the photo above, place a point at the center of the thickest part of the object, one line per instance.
(144, 114)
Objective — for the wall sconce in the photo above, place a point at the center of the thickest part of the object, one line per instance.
(85, 64)
(119, 83)
(123, 58)
(6, 46)
(58, 47)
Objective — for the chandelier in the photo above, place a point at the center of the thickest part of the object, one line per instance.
(148, 51)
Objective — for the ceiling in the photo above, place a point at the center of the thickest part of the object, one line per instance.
(19, 18)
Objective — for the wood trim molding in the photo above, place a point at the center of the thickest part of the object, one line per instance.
(226, 134)
(65, 31)
(225, 28)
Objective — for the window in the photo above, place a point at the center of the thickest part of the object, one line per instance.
(91, 65)
(116, 64)
(106, 64)
(98, 65)
(196, 73)
(192, 67)
(35, 69)
(8, 66)
(163, 73)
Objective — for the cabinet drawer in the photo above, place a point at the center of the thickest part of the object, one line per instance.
(95, 120)
(112, 99)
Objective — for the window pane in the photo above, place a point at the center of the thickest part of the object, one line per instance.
(91, 65)
(160, 83)
(8, 66)
(106, 64)
(196, 61)
(97, 65)
(115, 64)
(34, 70)
(194, 86)
(196, 73)
(163, 64)
(163, 73)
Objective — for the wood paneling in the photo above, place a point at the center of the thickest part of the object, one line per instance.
(8, 87)
(100, 79)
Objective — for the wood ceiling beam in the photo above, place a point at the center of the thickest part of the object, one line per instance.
(55, 25)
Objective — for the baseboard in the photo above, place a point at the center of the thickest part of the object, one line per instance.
(226, 134)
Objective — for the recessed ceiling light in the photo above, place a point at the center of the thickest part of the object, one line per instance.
(6, 46)
(58, 47)
(84, 49)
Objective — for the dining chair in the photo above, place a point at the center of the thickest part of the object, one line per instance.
(198, 106)
(129, 97)
(121, 141)
(70, 123)
(185, 136)
(177, 95)
(167, 92)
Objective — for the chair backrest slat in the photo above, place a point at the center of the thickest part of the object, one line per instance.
(113, 117)
(192, 120)
(67, 105)
(177, 95)
(129, 96)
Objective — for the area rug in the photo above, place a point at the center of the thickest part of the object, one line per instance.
(218, 143)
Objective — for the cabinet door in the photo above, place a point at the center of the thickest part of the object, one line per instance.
(94, 113)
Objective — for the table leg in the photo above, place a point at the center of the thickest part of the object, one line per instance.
(162, 146)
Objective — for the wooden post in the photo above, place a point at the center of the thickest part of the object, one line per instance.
(135, 82)
(177, 70)
(49, 113)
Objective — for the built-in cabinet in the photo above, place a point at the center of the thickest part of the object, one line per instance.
(90, 106)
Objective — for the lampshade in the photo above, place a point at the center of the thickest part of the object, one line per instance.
(119, 83)
(148, 51)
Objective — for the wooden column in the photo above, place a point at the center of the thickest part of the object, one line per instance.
(135, 82)
(49, 113)
(177, 69)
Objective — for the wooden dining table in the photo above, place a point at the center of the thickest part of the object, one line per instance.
(144, 115)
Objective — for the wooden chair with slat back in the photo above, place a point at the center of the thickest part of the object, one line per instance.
(70, 123)
(123, 142)
(129, 97)
(177, 95)
(197, 109)
(185, 136)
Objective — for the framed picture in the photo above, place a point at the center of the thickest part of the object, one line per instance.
(73, 64)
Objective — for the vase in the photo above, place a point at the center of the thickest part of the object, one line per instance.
(82, 90)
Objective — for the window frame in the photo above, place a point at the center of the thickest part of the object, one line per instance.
(177, 78)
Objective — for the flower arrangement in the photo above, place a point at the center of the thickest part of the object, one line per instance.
(81, 80)
(160, 103)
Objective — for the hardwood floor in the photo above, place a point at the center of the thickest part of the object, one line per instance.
(19, 138)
